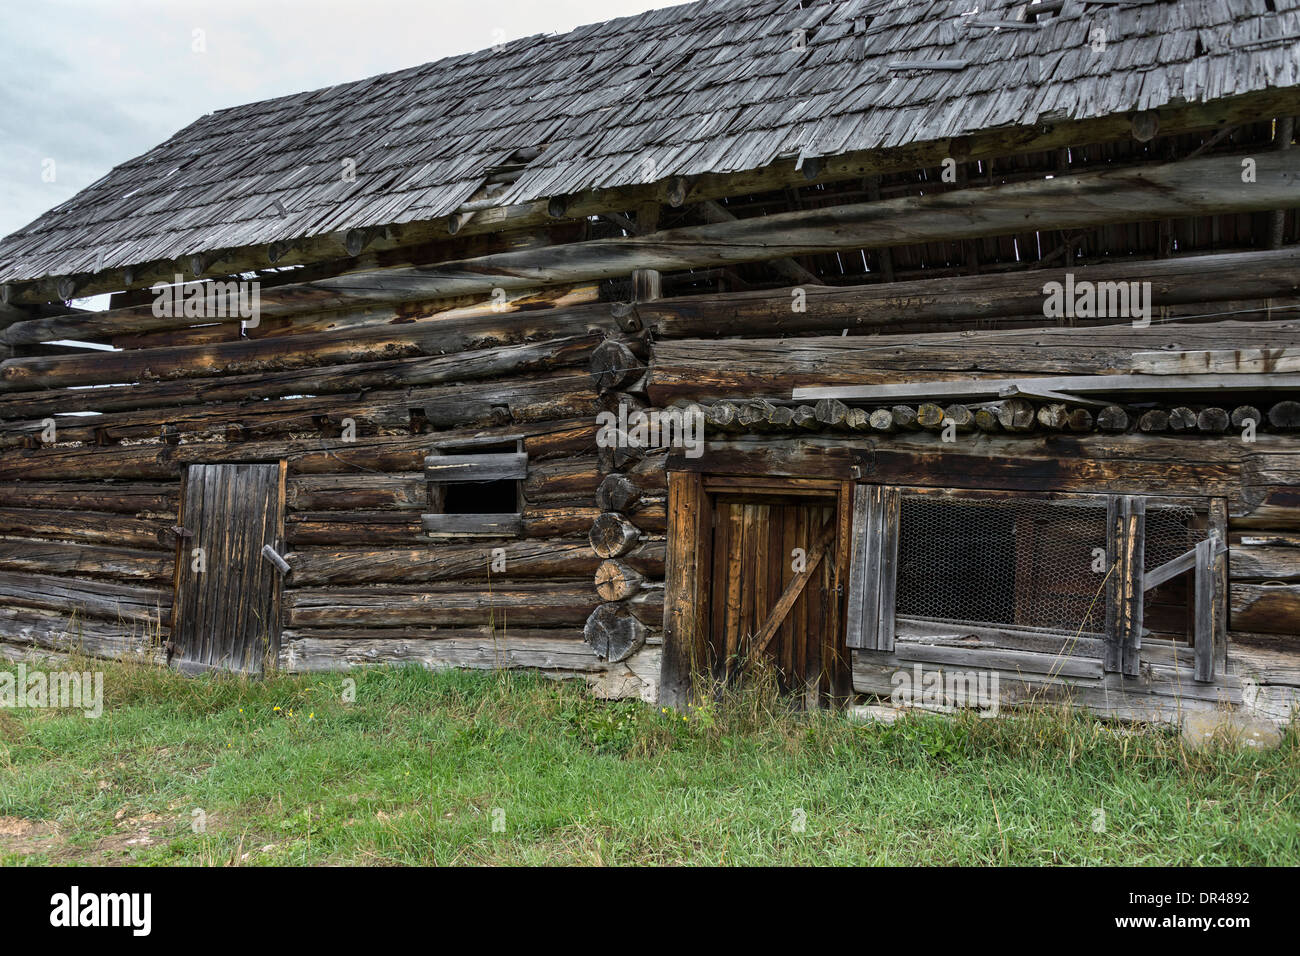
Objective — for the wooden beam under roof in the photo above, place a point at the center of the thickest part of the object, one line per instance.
(1198, 187)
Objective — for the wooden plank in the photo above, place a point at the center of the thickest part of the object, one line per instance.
(1112, 653)
(1132, 593)
(1170, 569)
(1054, 665)
(1084, 384)
(890, 534)
(1206, 612)
(485, 467)
(857, 609)
(763, 636)
(1218, 362)
(480, 525)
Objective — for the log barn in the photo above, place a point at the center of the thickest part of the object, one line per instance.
(988, 312)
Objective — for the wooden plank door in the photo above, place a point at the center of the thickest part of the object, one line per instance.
(227, 607)
(772, 602)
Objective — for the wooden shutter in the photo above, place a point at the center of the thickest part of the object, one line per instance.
(872, 568)
(1126, 530)
(1129, 582)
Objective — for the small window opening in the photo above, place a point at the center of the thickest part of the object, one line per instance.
(497, 496)
(481, 498)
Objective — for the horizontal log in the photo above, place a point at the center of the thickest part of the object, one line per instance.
(296, 322)
(58, 631)
(160, 499)
(87, 526)
(546, 649)
(304, 455)
(434, 337)
(555, 520)
(98, 599)
(500, 362)
(474, 564)
(527, 399)
(402, 491)
(1267, 608)
(1090, 462)
(441, 605)
(1189, 280)
(700, 368)
(86, 560)
(1264, 563)
(562, 480)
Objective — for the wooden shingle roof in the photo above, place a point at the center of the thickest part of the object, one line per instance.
(709, 87)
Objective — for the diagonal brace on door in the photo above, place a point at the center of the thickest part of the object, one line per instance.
(758, 643)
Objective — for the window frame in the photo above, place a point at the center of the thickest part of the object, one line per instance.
(871, 619)
(463, 462)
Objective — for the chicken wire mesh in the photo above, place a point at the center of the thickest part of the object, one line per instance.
(1171, 530)
(1029, 563)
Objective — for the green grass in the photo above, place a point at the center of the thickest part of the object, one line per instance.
(411, 772)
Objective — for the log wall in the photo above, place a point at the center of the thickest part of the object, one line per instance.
(88, 507)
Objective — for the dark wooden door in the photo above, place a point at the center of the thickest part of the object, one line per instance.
(775, 593)
(227, 608)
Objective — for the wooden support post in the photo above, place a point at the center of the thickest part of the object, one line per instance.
(647, 284)
(1277, 218)
(686, 613)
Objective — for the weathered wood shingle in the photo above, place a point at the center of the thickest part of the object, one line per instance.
(707, 87)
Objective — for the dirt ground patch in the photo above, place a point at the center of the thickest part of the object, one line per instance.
(25, 837)
(20, 837)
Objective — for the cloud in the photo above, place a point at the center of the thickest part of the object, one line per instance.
(90, 85)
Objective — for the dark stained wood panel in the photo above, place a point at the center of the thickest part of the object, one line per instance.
(754, 540)
(227, 615)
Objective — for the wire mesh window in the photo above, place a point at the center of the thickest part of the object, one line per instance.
(1170, 531)
(1003, 561)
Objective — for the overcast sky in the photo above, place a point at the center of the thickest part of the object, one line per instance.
(88, 84)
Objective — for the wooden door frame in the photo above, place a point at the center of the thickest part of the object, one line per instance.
(690, 556)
